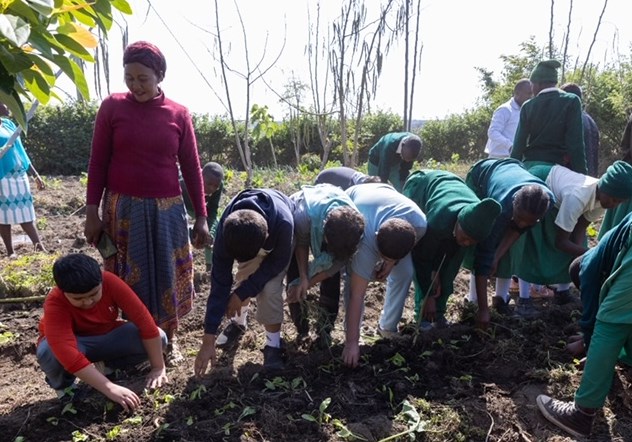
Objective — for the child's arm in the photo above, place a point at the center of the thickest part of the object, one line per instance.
(158, 374)
(116, 393)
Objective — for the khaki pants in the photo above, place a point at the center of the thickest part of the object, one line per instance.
(270, 300)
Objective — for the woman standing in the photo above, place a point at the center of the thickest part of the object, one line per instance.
(16, 201)
(140, 139)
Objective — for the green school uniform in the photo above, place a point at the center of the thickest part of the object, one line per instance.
(385, 162)
(441, 196)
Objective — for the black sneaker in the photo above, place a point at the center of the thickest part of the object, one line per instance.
(273, 358)
(525, 309)
(563, 297)
(501, 306)
(566, 415)
(230, 336)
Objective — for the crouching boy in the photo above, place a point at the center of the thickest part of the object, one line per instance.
(81, 326)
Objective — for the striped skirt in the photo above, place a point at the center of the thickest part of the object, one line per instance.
(16, 201)
(154, 255)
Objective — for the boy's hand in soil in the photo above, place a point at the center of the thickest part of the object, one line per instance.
(351, 354)
(205, 354)
(482, 319)
(123, 396)
(156, 378)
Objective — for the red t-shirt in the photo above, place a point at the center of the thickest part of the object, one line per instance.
(62, 322)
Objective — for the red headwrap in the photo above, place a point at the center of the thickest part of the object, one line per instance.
(148, 55)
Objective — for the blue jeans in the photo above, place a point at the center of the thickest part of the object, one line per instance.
(397, 289)
(120, 348)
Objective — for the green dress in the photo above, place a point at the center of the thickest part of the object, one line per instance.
(499, 179)
(440, 195)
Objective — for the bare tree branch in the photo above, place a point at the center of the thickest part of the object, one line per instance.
(566, 38)
(592, 43)
(551, 30)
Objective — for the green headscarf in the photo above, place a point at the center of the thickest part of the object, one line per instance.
(477, 219)
(617, 181)
(545, 72)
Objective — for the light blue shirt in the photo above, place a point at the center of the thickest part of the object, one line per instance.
(379, 202)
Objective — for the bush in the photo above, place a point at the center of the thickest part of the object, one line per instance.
(60, 137)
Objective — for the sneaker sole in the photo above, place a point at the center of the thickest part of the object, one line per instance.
(551, 418)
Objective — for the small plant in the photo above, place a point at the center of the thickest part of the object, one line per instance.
(397, 360)
(114, 433)
(42, 223)
(134, 420)
(197, 393)
(83, 179)
(6, 336)
(78, 436)
(322, 417)
(54, 421)
(225, 408)
(69, 407)
(53, 183)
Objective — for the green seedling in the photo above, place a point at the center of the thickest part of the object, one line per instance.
(134, 420)
(413, 379)
(323, 417)
(114, 433)
(411, 417)
(278, 383)
(19, 439)
(343, 432)
(190, 421)
(83, 179)
(6, 337)
(247, 411)
(69, 408)
(397, 360)
(197, 393)
(225, 408)
(42, 223)
(53, 421)
(78, 436)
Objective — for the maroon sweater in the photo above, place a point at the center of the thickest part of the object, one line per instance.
(136, 148)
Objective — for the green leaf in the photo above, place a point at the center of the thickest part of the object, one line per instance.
(37, 85)
(20, 8)
(15, 29)
(14, 62)
(74, 48)
(122, 6)
(44, 7)
(70, 68)
(247, 411)
(13, 102)
(43, 67)
(324, 404)
(309, 417)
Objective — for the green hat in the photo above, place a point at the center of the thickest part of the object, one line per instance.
(617, 181)
(545, 72)
(477, 219)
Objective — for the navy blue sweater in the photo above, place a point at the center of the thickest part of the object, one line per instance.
(277, 209)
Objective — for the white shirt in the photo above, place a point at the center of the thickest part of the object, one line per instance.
(576, 195)
(502, 129)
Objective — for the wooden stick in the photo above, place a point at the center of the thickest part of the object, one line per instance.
(24, 299)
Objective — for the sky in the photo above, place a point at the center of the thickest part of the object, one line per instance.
(457, 37)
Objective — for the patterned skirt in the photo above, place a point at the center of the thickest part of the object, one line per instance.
(16, 201)
(154, 254)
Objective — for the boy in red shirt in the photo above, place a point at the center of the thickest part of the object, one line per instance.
(81, 326)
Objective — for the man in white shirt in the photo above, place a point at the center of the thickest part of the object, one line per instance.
(505, 121)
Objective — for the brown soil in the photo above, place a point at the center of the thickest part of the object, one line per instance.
(466, 385)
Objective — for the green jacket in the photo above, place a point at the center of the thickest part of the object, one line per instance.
(551, 130)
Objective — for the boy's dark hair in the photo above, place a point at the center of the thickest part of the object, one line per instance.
(244, 231)
(532, 199)
(343, 229)
(395, 238)
(573, 271)
(212, 169)
(77, 273)
(572, 88)
(371, 179)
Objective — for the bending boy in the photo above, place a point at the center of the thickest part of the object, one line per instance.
(393, 225)
(327, 222)
(256, 230)
(457, 219)
(81, 326)
(392, 157)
